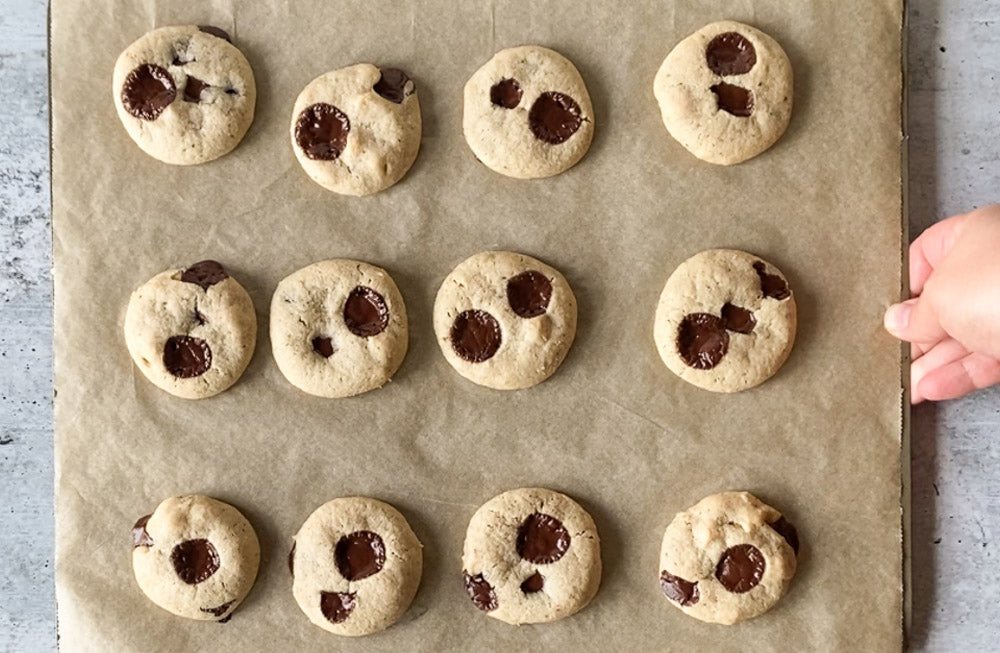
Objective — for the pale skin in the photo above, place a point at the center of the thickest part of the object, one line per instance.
(952, 320)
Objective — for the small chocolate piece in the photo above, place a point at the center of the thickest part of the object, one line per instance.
(481, 592)
(323, 346)
(148, 90)
(140, 537)
(205, 273)
(679, 590)
(783, 528)
(359, 555)
(195, 560)
(542, 539)
(186, 356)
(730, 54)
(506, 93)
(219, 611)
(337, 606)
(193, 89)
(291, 560)
(365, 312)
(740, 568)
(702, 340)
(321, 131)
(475, 336)
(215, 31)
(554, 117)
(533, 583)
(529, 293)
(392, 85)
(771, 284)
(734, 99)
(737, 318)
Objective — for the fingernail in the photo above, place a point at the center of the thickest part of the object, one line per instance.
(897, 317)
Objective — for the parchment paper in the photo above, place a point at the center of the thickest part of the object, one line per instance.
(613, 428)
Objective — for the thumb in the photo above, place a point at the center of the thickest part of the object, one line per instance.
(914, 321)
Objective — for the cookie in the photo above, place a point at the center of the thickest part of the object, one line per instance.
(725, 92)
(505, 320)
(355, 565)
(726, 320)
(728, 558)
(527, 113)
(191, 331)
(338, 328)
(531, 556)
(195, 557)
(185, 94)
(356, 130)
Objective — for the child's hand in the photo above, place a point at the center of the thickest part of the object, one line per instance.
(953, 320)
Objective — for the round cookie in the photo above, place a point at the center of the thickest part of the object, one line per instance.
(338, 328)
(191, 331)
(531, 556)
(725, 92)
(728, 558)
(726, 320)
(505, 320)
(527, 113)
(356, 566)
(195, 556)
(356, 130)
(185, 94)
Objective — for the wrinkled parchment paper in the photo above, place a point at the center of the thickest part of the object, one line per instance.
(613, 428)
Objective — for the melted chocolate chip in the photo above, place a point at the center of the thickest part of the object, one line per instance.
(542, 539)
(734, 99)
(475, 336)
(771, 284)
(215, 31)
(529, 293)
(481, 592)
(337, 606)
(679, 590)
(205, 273)
(195, 560)
(359, 555)
(323, 346)
(218, 611)
(193, 89)
(392, 85)
(533, 583)
(506, 93)
(291, 560)
(148, 90)
(365, 312)
(186, 356)
(740, 568)
(554, 117)
(788, 532)
(702, 340)
(321, 131)
(140, 537)
(730, 54)
(737, 318)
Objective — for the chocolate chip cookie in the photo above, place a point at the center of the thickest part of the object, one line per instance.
(191, 331)
(185, 94)
(195, 556)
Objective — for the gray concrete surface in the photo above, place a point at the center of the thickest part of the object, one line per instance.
(954, 132)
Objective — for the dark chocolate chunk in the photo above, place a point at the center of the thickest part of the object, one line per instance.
(702, 340)
(392, 85)
(475, 336)
(321, 131)
(365, 312)
(554, 117)
(140, 537)
(730, 54)
(542, 539)
(771, 284)
(148, 90)
(481, 592)
(205, 273)
(359, 555)
(506, 93)
(679, 590)
(529, 293)
(734, 99)
(291, 560)
(323, 346)
(740, 568)
(215, 31)
(533, 583)
(788, 532)
(193, 89)
(337, 606)
(217, 611)
(737, 318)
(195, 560)
(186, 356)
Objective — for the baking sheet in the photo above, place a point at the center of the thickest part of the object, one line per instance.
(613, 428)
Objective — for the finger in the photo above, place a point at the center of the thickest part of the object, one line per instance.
(930, 248)
(959, 378)
(947, 351)
(914, 321)
(918, 349)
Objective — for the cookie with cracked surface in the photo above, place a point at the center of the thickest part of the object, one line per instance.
(185, 94)
(191, 331)
(356, 566)
(527, 113)
(725, 92)
(505, 320)
(725, 321)
(338, 328)
(728, 558)
(531, 556)
(195, 556)
(356, 130)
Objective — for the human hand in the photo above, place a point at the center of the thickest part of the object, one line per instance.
(953, 320)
